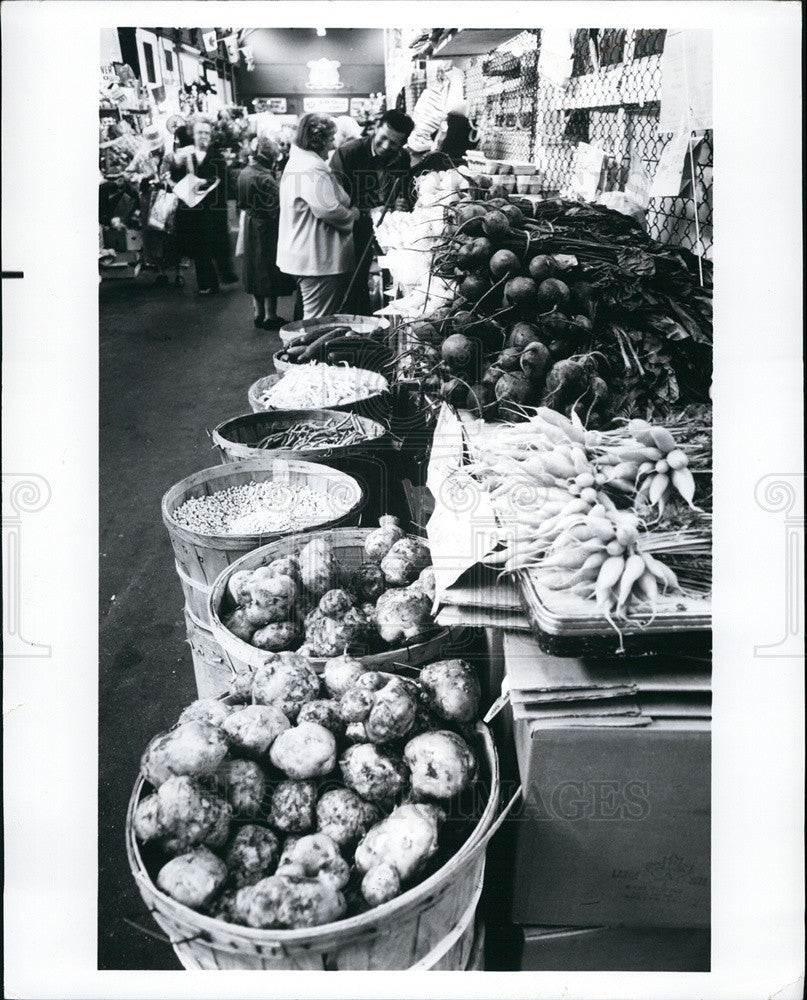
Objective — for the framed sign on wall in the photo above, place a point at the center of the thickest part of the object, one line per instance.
(325, 105)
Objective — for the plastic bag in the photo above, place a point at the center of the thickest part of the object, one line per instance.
(161, 213)
(239, 243)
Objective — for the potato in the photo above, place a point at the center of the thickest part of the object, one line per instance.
(380, 884)
(238, 623)
(293, 804)
(315, 856)
(307, 750)
(184, 815)
(288, 682)
(340, 672)
(441, 764)
(194, 878)
(243, 784)
(318, 567)
(253, 729)
(270, 598)
(371, 774)
(252, 855)
(344, 816)
(289, 901)
(194, 748)
(324, 711)
(278, 636)
(212, 710)
(405, 841)
(237, 586)
(452, 690)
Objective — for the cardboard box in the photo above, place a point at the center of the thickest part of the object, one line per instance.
(612, 949)
(615, 824)
(125, 265)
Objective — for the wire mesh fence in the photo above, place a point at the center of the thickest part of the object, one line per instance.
(611, 101)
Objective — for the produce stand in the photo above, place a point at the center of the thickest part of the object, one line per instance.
(536, 398)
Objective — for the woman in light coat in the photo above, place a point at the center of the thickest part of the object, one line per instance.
(315, 240)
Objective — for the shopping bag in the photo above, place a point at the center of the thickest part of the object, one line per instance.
(239, 243)
(161, 214)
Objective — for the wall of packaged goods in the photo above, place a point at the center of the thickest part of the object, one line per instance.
(611, 100)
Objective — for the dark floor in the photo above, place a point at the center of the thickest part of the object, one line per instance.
(172, 365)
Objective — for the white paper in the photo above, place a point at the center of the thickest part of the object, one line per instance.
(670, 169)
(555, 60)
(191, 189)
(686, 82)
(586, 170)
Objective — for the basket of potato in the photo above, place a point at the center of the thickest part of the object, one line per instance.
(368, 592)
(333, 822)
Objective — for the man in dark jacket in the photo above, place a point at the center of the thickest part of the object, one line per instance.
(374, 171)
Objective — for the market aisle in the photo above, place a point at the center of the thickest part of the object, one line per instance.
(172, 365)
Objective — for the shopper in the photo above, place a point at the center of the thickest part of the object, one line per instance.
(148, 171)
(455, 137)
(315, 241)
(347, 128)
(258, 198)
(202, 230)
(375, 172)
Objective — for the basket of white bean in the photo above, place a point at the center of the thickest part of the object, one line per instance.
(217, 515)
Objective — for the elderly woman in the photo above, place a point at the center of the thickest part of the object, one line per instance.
(258, 199)
(315, 241)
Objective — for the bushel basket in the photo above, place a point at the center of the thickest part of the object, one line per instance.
(200, 558)
(348, 547)
(430, 926)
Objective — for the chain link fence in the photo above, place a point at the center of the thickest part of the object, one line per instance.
(611, 102)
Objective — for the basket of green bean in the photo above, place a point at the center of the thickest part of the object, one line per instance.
(318, 433)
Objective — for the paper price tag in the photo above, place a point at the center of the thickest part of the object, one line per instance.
(670, 169)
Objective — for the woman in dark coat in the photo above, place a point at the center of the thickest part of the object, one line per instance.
(258, 198)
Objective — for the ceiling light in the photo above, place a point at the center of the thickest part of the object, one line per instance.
(321, 32)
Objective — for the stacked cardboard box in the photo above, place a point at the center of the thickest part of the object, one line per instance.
(614, 759)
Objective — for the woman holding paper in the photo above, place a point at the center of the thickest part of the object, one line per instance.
(315, 240)
(202, 229)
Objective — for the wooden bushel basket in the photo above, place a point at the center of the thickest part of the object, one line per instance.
(430, 926)
(201, 558)
(348, 547)
(237, 438)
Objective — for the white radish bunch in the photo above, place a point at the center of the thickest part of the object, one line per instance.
(649, 464)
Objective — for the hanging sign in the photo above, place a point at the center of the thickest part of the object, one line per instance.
(325, 105)
(686, 82)
(586, 170)
(323, 74)
(637, 186)
(555, 59)
(275, 105)
(231, 44)
(210, 41)
(670, 169)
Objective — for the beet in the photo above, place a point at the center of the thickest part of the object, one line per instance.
(474, 287)
(504, 262)
(583, 323)
(461, 319)
(508, 359)
(521, 335)
(534, 361)
(458, 351)
(514, 391)
(495, 224)
(541, 268)
(521, 293)
(492, 375)
(497, 193)
(481, 250)
(481, 400)
(469, 211)
(558, 326)
(514, 215)
(425, 332)
(565, 382)
(482, 181)
(524, 204)
(559, 349)
(582, 298)
(454, 392)
(552, 292)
